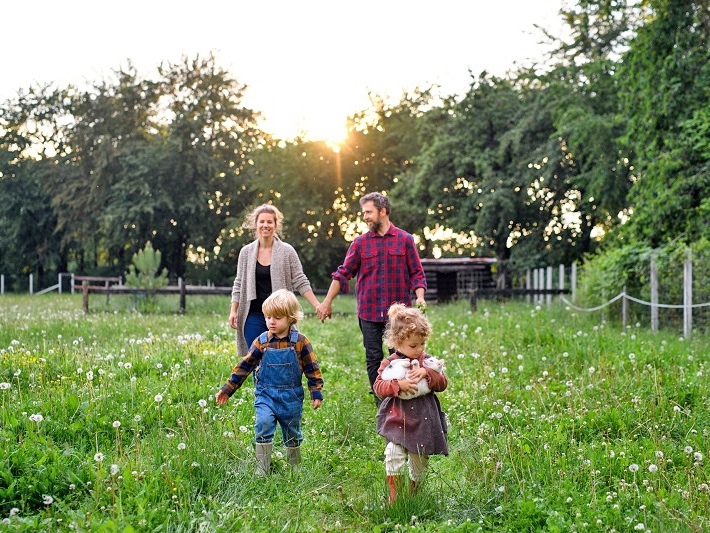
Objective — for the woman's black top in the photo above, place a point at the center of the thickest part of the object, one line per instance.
(263, 287)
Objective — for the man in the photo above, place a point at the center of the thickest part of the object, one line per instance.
(386, 263)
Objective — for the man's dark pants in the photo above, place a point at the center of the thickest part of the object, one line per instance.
(372, 333)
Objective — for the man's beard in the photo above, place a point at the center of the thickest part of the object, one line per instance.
(375, 226)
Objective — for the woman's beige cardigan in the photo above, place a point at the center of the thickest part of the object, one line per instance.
(286, 273)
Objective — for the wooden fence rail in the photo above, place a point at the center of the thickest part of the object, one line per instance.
(181, 289)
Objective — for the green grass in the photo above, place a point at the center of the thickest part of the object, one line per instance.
(557, 423)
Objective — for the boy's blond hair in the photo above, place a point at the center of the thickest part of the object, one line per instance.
(405, 322)
(283, 303)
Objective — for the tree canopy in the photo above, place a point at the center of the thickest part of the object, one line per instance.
(606, 144)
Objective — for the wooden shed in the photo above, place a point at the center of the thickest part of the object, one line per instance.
(455, 277)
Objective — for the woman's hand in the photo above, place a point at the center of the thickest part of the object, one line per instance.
(232, 320)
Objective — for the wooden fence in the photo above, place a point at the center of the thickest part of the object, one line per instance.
(181, 289)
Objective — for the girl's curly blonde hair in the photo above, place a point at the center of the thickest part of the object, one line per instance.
(250, 222)
(405, 322)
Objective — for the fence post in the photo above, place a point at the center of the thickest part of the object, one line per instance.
(31, 284)
(72, 283)
(2, 283)
(573, 282)
(85, 296)
(548, 286)
(182, 295)
(688, 293)
(561, 278)
(528, 285)
(624, 308)
(654, 293)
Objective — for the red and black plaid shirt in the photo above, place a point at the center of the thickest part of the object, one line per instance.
(387, 269)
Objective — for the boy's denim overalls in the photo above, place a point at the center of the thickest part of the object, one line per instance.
(279, 393)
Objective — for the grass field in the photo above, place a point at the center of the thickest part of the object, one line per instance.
(557, 422)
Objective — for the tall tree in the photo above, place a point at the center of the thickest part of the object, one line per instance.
(211, 134)
(30, 132)
(667, 72)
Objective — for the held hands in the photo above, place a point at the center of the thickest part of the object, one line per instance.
(324, 310)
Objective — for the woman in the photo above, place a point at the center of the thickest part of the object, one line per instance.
(264, 266)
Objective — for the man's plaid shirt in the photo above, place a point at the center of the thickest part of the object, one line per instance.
(387, 269)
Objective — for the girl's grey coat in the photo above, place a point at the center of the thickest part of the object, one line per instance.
(286, 273)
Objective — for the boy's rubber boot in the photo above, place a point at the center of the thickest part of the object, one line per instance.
(293, 456)
(263, 458)
(393, 481)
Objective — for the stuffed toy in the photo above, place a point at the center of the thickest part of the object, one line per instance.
(399, 368)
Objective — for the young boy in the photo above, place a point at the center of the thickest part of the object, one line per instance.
(279, 357)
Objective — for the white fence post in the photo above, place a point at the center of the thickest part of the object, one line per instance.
(528, 284)
(72, 283)
(624, 309)
(31, 284)
(548, 286)
(688, 294)
(561, 278)
(654, 294)
(2, 283)
(573, 282)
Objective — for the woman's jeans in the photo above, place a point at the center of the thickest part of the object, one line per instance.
(254, 326)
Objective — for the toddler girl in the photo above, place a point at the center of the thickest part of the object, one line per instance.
(416, 428)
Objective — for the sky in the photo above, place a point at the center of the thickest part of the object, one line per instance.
(307, 65)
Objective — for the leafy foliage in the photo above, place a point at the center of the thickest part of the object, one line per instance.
(145, 272)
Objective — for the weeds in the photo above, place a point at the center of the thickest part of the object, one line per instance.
(557, 423)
